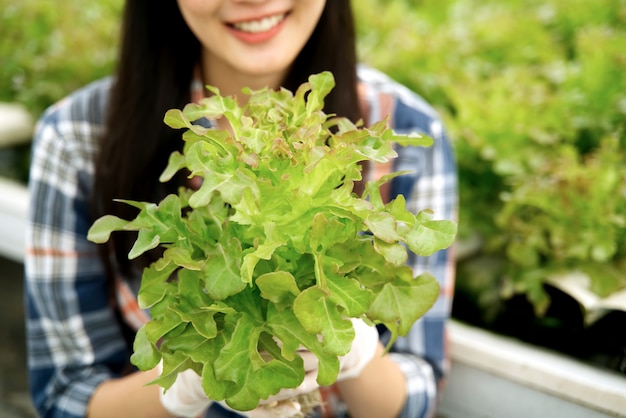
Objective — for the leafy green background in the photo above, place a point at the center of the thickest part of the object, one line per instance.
(534, 96)
(49, 48)
(533, 93)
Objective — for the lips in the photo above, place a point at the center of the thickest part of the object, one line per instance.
(259, 25)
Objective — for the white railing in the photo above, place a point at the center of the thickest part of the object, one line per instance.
(16, 124)
(16, 127)
(13, 207)
(494, 376)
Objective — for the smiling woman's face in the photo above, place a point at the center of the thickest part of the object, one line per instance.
(252, 41)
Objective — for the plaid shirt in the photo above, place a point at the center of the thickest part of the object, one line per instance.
(75, 341)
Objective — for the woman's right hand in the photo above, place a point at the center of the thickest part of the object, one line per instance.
(186, 397)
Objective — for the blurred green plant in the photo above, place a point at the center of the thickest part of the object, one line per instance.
(49, 48)
(534, 96)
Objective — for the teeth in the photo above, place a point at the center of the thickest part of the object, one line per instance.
(262, 25)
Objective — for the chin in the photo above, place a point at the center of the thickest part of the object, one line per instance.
(267, 72)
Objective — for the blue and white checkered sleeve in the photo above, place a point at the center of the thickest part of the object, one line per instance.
(72, 338)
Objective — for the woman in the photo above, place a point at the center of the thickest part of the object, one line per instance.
(107, 141)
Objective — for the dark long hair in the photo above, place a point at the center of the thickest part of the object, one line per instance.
(157, 56)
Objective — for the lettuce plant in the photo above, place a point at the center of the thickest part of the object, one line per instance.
(274, 251)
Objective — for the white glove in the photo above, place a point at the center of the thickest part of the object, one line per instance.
(364, 346)
(186, 398)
